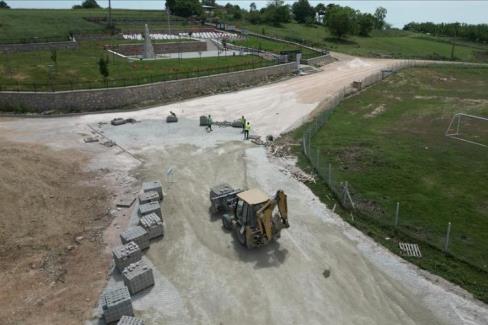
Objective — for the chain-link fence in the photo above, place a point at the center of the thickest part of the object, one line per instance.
(389, 215)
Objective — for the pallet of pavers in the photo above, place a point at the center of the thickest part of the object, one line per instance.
(148, 208)
(136, 234)
(115, 304)
(127, 320)
(148, 197)
(126, 254)
(153, 186)
(137, 277)
(153, 225)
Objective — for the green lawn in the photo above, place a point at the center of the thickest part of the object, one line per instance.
(388, 142)
(19, 24)
(396, 43)
(273, 46)
(79, 69)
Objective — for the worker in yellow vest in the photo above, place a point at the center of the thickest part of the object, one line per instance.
(247, 128)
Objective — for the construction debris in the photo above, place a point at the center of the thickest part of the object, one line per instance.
(127, 320)
(126, 254)
(297, 174)
(120, 121)
(137, 277)
(125, 202)
(109, 143)
(136, 234)
(115, 304)
(412, 250)
(90, 140)
(153, 225)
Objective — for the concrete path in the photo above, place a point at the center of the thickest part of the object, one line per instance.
(202, 275)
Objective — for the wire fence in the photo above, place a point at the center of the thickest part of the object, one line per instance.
(446, 238)
(28, 40)
(124, 82)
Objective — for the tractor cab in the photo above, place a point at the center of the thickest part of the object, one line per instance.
(248, 204)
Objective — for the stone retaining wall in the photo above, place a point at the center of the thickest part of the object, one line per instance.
(31, 47)
(160, 48)
(118, 98)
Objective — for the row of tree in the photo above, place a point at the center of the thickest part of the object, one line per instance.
(4, 5)
(474, 33)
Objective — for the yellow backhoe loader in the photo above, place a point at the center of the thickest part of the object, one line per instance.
(250, 214)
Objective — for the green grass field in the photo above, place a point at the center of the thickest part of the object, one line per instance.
(395, 43)
(388, 142)
(16, 24)
(273, 46)
(79, 69)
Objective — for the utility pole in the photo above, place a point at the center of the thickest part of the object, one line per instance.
(168, 13)
(110, 14)
(454, 44)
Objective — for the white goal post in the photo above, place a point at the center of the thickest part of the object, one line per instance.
(455, 127)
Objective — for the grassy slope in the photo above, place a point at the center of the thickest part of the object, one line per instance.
(28, 23)
(272, 46)
(401, 154)
(395, 44)
(81, 66)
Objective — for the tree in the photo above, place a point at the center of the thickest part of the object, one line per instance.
(276, 13)
(340, 21)
(103, 68)
(302, 10)
(4, 5)
(365, 24)
(87, 4)
(252, 7)
(185, 8)
(320, 8)
(379, 17)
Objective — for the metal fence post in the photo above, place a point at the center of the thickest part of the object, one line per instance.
(318, 160)
(330, 175)
(397, 213)
(446, 244)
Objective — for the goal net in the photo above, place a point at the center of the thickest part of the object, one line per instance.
(469, 128)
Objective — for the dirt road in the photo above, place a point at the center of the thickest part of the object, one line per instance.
(202, 275)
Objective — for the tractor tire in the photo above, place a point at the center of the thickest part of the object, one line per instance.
(226, 223)
(240, 237)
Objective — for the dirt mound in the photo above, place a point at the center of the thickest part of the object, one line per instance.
(52, 266)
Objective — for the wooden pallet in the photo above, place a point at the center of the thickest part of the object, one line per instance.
(410, 249)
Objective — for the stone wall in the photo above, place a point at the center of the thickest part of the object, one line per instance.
(160, 48)
(123, 97)
(320, 60)
(31, 47)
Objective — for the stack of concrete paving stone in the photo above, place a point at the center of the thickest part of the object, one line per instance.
(147, 197)
(137, 277)
(148, 208)
(153, 225)
(115, 304)
(154, 186)
(136, 234)
(126, 254)
(126, 320)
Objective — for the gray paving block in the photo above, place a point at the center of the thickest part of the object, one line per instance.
(127, 320)
(146, 197)
(136, 234)
(153, 225)
(137, 277)
(148, 208)
(116, 303)
(153, 186)
(126, 254)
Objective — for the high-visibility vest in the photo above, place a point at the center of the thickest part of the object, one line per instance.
(248, 126)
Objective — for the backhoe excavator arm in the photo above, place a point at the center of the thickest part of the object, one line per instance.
(265, 214)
